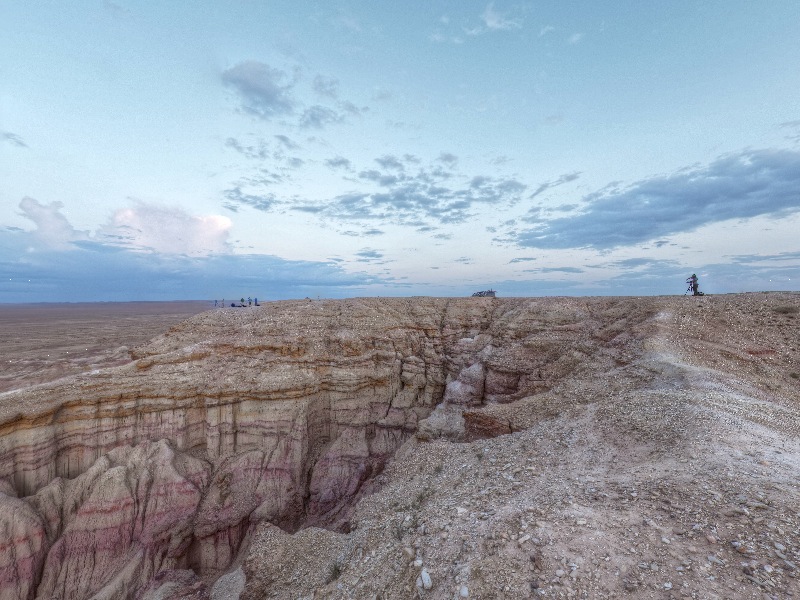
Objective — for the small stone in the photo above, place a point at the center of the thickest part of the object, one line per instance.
(668, 585)
(560, 573)
(424, 580)
(463, 592)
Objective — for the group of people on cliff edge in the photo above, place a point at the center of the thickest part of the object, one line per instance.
(242, 303)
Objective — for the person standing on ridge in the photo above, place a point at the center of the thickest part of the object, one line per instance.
(693, 285)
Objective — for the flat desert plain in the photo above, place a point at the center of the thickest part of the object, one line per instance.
(44, 342)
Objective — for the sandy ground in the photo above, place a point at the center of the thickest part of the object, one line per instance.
(44, 342)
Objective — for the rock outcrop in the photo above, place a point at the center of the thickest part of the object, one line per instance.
(151, 479)
(279, 413)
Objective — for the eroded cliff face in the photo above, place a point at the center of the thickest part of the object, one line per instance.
(159, 470)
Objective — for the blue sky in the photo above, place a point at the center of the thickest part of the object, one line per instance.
(176, 150)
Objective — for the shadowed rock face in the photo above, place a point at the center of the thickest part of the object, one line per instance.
(111, 481)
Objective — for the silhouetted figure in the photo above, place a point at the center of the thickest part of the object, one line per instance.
(693, 285)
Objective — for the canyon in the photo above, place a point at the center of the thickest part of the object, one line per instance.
(415, 447)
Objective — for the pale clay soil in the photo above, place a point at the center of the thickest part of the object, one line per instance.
(665, 466)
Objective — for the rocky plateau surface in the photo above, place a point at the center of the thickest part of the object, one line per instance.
(418, 448)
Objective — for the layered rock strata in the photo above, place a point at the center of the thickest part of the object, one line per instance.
(112, 481)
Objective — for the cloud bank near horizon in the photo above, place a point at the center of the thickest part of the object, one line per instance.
(151, 253)
(742, 185)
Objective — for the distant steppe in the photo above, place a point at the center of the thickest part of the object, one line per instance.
(44, 342)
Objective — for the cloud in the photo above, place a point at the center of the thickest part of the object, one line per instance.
(382, 95)
(555, 270)
(794, 127)
(735, 186)
(401, 192)
(260, 151)
(151, 228)
(13, 139)
(53, 230)
(390, 162)
(575, 38)
(94, 272)
(439, 38)
(352, 109)
(326, 86)
(317, 117)
(286, 142)
(566, 178)
(491, 20)
(365, 233)
(308, 208)
(415, 200)
(448, 158)
(264, 91)
(369, 255)
(56, 263)
(236, 196)
(545, 30)
(496, 21)
(339, 162)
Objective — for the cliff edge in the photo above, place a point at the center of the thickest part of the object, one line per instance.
(430, 447)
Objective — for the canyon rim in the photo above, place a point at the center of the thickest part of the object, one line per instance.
(417, 448)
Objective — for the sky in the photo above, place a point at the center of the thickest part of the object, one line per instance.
(157, 150)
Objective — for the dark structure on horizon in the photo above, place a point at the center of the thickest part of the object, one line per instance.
(486, 293)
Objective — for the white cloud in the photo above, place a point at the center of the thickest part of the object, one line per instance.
(53, 230)
(575, 38)
(496, 21)
(146, 227)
